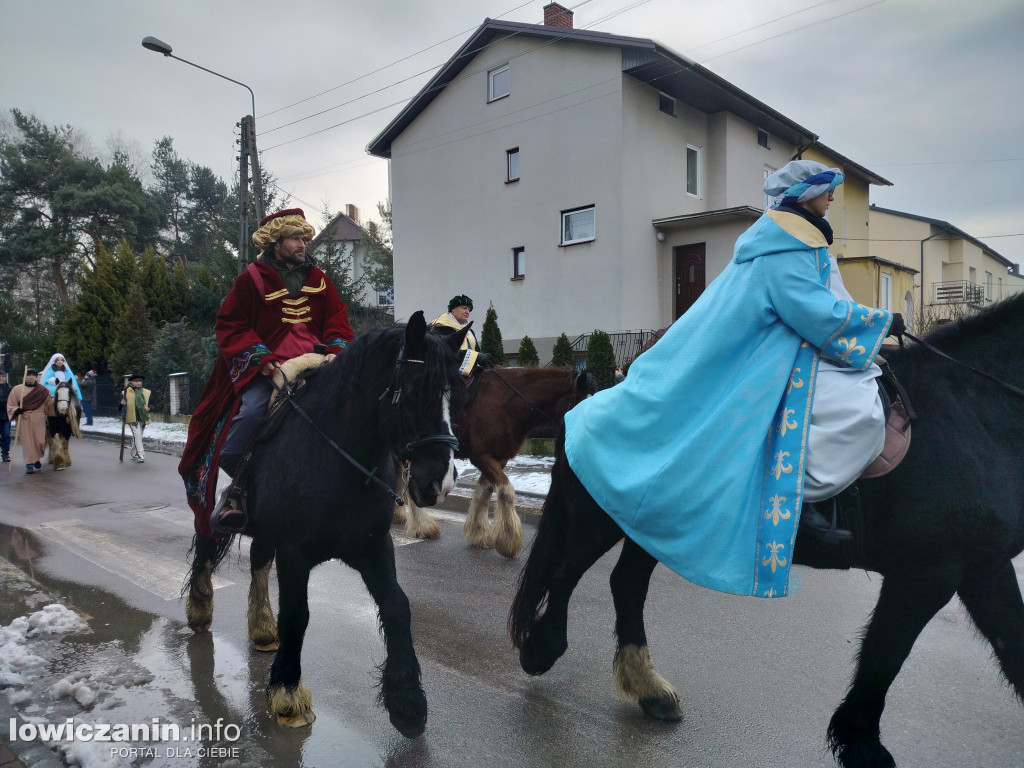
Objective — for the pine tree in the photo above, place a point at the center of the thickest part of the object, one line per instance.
(562, 355)
(490, 338)
(132, 336)
(527, 357)
(601, 358)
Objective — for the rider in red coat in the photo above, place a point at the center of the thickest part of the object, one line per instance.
(278, 308)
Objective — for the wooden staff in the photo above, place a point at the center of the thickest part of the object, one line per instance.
(17, 427)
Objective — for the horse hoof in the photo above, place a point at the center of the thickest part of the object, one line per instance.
(299, 721)
(661, 709)
(410, 731)
(266, 647)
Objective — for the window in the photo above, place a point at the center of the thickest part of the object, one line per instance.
(578, 225)
(885, 291)
(386, 297)
(499, 84)
(518, 263)
(512, 165)
(692, 171)
(769, 201)
(988, 286)
(667, 104)
(762, 138)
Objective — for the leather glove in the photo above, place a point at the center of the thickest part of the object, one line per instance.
(17, 413)
(484, 361)
(898, 327)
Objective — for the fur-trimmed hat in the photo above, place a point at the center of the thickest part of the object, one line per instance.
(274, 226)
(462, 300)
(133, 376)
(32, 372)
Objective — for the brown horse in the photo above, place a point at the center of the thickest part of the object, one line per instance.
(509, 403)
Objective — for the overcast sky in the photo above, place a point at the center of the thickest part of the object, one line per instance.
(928, 94)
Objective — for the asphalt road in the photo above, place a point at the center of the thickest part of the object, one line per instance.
(759, 679)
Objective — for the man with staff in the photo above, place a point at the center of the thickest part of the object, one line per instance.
(30, 403)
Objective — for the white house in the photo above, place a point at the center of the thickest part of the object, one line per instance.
(575, 179)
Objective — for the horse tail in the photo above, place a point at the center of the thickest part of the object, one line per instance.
(203, 550)
(544, 556)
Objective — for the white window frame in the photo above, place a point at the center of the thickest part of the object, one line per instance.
(769, 201)
(885, 291)
(988, 286)
(592, 209)
(385, 298)
(519, 269)
(492, 95)
(698, 161)
(509, 154)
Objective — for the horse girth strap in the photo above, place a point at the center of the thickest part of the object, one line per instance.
(1005, 385)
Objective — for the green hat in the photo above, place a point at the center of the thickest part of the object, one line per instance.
(462, 300)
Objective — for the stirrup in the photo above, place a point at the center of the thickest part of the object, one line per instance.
(828, 532)
(229, 516)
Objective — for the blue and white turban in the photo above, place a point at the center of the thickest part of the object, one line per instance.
(801, 180)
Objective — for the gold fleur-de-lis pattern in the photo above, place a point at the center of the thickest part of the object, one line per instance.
(849, 349)
(774, 558)
(776, 511)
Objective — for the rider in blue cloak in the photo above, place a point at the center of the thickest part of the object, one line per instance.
(705, 454)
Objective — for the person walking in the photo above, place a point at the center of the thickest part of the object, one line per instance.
(87, 384)
(30, 403)
(135, 401)
(5, 423)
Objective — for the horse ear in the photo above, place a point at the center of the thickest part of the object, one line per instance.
(415, 332)
(456, 339)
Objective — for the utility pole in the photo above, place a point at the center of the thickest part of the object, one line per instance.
(243, 196)
(257, 177)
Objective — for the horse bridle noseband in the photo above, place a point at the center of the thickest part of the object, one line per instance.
(406, 453)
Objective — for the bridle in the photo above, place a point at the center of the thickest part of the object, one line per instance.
(1016, 390)
(572, 395)
(405, 454)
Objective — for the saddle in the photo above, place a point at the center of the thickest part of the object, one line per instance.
(898, 415)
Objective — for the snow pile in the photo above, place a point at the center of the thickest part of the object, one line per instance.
(15, 658)
(74, 687)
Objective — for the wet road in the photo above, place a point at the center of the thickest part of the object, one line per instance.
(759, 679)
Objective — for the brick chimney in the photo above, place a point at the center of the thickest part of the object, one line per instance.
(352, 212)
(556, 15)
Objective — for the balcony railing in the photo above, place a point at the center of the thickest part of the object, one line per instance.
(958, 292)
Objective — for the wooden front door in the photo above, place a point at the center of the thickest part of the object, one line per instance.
(689, 275)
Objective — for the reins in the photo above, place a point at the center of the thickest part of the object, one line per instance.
(371, 475)
(940, 353)
(521, 395)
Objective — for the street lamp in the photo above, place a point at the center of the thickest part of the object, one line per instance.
(154, 44)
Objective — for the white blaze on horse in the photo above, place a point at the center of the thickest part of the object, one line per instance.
(62, 425)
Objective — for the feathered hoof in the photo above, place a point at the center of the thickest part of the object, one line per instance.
(409, 713)
(58, 469)
(199, 619)
(665, 708)
(534, 661)
(266, 647)
(508, 543)
(292, 708)
(429, 529)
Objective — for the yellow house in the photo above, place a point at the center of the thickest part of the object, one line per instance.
(955, 274)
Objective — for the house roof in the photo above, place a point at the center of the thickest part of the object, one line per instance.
(850, 167)
(739, 211)
(642, 58)
(342, 229)
(952, 229)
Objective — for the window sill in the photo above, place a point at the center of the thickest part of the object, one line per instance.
(498, 98)
(576, 242)
(511, 181)
(518, 278)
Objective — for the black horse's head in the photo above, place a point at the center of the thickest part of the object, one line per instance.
(425, 390)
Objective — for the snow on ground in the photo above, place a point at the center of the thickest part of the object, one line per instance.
(529, 474)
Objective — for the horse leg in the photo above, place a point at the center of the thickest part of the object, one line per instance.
(908, 601)
(477, 528)
(260, 616)
(66, 445)
(635, 676)
(507, 531)
(287, 697)
(419, 524)
(992, 597)
(199, 604)
(400, 689)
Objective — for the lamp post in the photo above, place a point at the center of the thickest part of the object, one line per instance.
(154, 44)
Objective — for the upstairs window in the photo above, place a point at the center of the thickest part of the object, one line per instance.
(499, 83)
(762, 138)
(693, 171)
(667, 104)
(512, 165)
(518, 263)
(578, 225)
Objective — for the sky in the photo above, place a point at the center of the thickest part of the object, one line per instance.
(928, 94)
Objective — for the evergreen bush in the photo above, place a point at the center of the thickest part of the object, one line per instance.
(490, 338)
(601, 358)
(561, 355)
(527, 353)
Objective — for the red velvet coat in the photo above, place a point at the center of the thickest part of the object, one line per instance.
(257, 323)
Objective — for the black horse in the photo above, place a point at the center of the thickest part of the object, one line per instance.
(946, 521)
(389, 393)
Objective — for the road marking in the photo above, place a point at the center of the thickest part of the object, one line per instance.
(158, 575)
